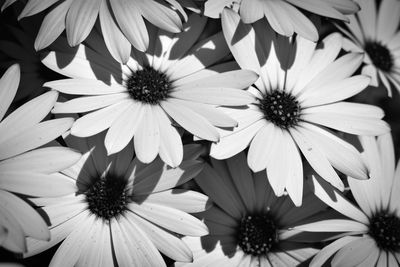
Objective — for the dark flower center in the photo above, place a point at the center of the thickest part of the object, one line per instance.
(148, 85)
(280, 108)
(107, 197)
(257, 234)
(379, 55)
(385, 229)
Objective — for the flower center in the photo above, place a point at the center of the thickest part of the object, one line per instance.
(148, 85)
(379, 55)
(385, 229)
(107, 197)
(257, 234)
(281, 108)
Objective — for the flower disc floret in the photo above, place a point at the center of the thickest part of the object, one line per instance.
(380, 55)
(385, 229)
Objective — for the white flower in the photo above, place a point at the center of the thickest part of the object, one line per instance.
(300, 92)
(115, 208)
(376, 32)
(248, 225)
(23, 164)
(121, 21)
(371, 233)
(285, 16)
(171, 82)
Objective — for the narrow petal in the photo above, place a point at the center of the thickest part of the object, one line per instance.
(388, 19)
(147, 137)
(367, 18)
(354, 252)
(52, 26)
(336, 200)
(189, 120)
(131, 23)
(30, 221)
(116, 42)
(33, 7)
(170, 218)
(316, 158)
(99, 120)
(34, 137)
(84, 87)
(36, 184)
(45, 160)
(181, 199)
(274, 11)
(334, 225)
(27, 115)
(167, 243)
(331, 249)
(89, 103)
(80, 19)
(322, 8)
(8, 88)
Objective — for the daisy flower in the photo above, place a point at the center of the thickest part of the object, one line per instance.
(169, 85)
(376, 33)
(372, 229)
(120, 212)
(121, 21)
(248, 223)
(298, 94)
(285, 16)
(23, 164)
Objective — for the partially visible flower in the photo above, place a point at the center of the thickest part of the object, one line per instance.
(116, 211)
(248, 223)
(300, 92)
(285, 16)
(122, 23)
(371, 233)
(175, 83)
(23, 164)
(375, 31)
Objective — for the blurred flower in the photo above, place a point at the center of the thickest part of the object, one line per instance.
(22, 169)
(299, 93)
(248, 225)
(285, 16)
(170, 82)
(118, 209)
(376, 32)
(372, 230)
(121, 21)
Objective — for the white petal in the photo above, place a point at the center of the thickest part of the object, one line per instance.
(354, 252)
(367, 18)
(52, 26)
(189, 120)
(334, 225)
(33, 7)
(46, 160)
(122, 129)
(336, 200)
(8, 88)
(147, 137)
(170, 218)
(84, 87)
(34, 137)
(80, 19)
(323, 8)
(99, 120)
(274, 12)
(131, 23)
(35, 184)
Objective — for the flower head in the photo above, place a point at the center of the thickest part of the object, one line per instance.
(285, 16)
(375, 32)
(23, 163)
(248, 224)
(371, 235)
(115, 207)
(300, 92)
(169, 85)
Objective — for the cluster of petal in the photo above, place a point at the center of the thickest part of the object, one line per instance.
(378, 194)
(319, 81)
(23, 165)
(285, 16)
(196, 91)
(155, 213)
(237, 192)
(371, 25)
(121, 21)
